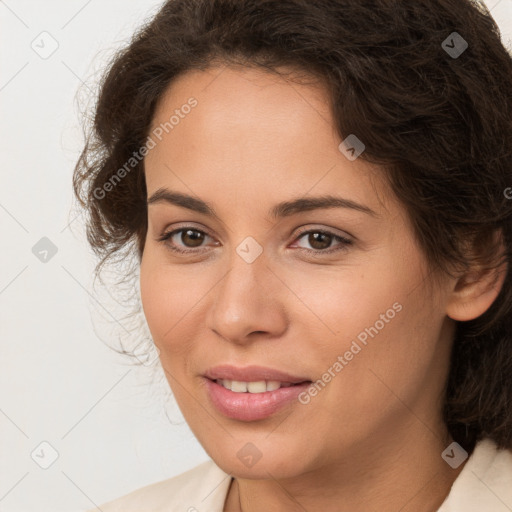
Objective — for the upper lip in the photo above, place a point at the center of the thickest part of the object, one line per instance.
(252, 374)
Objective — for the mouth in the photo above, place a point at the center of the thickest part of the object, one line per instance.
(252, 378)
(249, 401)
(258, 386)
(252, 393)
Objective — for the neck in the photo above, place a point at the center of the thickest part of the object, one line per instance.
(403, 473)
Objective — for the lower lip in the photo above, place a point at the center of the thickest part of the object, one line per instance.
(252, 406)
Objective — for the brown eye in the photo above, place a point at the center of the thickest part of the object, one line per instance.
(184, 239)
(321, 242)
(193, 236)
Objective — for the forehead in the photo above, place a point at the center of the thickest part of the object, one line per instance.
(255, 133)
(247, 87)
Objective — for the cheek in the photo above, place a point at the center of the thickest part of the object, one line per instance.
(171, 296)
(152, 295)
(377, 318)
(334, 305)
(390, 361)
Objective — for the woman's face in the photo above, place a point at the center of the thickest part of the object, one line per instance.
(354, 314)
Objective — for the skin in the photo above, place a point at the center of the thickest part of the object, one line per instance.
(372, 439)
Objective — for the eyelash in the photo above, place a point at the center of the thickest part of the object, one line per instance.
(165, 237)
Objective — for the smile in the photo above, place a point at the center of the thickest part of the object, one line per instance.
(260, 386)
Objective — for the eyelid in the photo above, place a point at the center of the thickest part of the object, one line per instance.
(344, 240)
(324, 229)
(341, 247)
(169, 233)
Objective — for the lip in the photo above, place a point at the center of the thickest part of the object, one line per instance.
(252, 374)
(252, 406)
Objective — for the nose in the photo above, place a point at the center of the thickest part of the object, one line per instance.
(248, 302)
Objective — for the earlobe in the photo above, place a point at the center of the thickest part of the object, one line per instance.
(475, 291)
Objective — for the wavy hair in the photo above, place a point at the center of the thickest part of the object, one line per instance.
(437, 122)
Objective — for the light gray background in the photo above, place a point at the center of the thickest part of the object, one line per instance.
(59, 383)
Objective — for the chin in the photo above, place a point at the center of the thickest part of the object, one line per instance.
(250, 462)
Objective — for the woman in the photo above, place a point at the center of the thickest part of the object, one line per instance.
(318, 196)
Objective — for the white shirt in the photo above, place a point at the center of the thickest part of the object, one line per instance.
(483, 485)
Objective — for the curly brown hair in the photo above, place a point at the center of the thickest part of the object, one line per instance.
(437, 122)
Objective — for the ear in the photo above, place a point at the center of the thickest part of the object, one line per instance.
(476, 290)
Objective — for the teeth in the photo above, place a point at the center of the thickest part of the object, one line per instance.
(272, 385)
(257, 387)
(238, 386)
(252, 387)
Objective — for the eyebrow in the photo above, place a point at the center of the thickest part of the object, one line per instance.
(284, 209)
